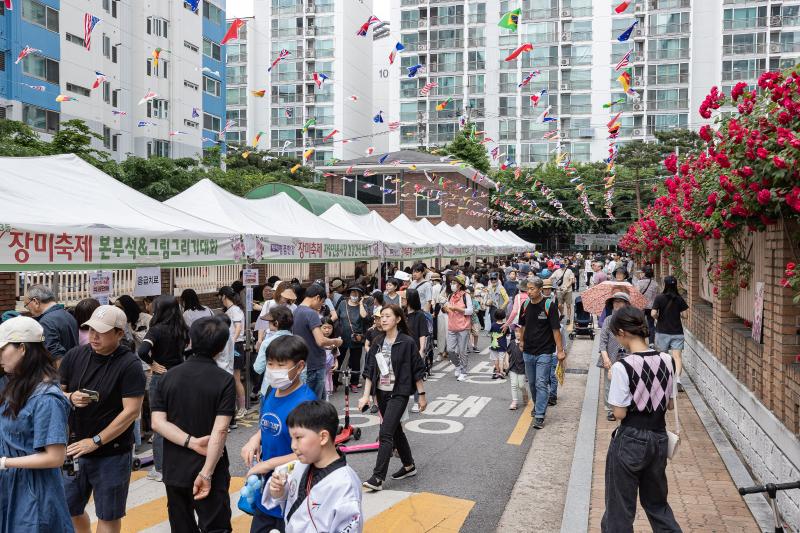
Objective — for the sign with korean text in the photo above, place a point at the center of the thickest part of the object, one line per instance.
(250, 277)
(147, 281)
(100, 286)
(597, 239)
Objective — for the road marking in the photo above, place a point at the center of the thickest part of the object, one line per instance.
(422, 512)
(451, 426)
(522, 427)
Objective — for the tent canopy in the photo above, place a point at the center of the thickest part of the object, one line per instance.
(371, 225)
(315, 201)
(406, 225)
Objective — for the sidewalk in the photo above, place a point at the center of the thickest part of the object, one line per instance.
(701, 492)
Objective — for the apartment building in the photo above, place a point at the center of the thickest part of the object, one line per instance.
(680, 48)
(187, 77)
(320, 36)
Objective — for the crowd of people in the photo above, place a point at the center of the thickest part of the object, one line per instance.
(82, 388)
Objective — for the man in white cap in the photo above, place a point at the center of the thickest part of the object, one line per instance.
(104, 384)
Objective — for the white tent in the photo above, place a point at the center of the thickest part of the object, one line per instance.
(428, 228)
(406, 225)
(459, 234)
(371, 225)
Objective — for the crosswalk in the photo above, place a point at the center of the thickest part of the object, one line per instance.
(387, 511)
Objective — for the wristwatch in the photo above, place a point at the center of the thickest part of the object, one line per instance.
(97, 440)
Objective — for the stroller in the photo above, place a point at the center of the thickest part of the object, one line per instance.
(582, 321)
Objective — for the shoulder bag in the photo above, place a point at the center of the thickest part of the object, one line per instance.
(673, 439)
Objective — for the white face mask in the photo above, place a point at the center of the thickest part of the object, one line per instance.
(454, 287)
(279, 379)
(354, 298)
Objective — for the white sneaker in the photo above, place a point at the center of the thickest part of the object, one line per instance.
(457, 372)
(241, 413)
(462, 377)
(415, 408)
(154, 475)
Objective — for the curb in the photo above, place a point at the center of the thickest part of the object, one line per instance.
(579, 491)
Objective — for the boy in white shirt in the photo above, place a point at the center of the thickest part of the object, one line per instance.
(336, 505)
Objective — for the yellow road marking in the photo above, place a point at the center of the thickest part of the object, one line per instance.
(421, 513)
(155, 512)
(522, 427)
(241, 524)
(136, 475)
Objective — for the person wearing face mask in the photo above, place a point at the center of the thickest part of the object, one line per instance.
(271, 446)
(353, 317)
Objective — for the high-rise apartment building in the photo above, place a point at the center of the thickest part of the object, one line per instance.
(139, 48)
(680, 48)
(320, 37)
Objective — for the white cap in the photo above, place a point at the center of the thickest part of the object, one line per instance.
(20, 329)
(402, 275)
(107, 317)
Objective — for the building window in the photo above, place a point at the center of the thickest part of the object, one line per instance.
(212, 12)
(106, 46)
(41, 67)
(211, 122)
(115, 137)
(158, 26)
(2, 61)
(190, 85)
(236, 53)
(74, 39)
(158, 148)
(106, 137)
(191, 123)
(114, 53)
(238, 116)
(161, 68)
(40, 14)
(212, 50)
(211, 86)
(158, 108)
(77, 89)
(114, 8)
(115, 97)
(107, 92)
(40, 119)
(428, 207)
(238, 96)
(374, 190)
(190, 46)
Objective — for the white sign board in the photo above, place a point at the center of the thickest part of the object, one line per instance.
(100, 286)
(147, 281)
(248, 299)
(250, 277)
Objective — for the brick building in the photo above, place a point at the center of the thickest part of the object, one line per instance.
(390, 191)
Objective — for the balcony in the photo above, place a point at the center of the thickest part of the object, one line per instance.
(786, 21)
(455, 90)
(668, 29)
(543, 38)
(784, 48)
(660, 55)
(578, 133)
(575, 12)
(447, 43)
(576, 36)
(745, 24)
(573, 61)
(477, 18)
(744, 49)
(286, 98)
(287, 32)
(476, 42)
(441, 138)
(509, 87)
(580, 109)
(508, 135)
(287, 77)
(409, 93)
(457, 20)
(288, 10)
(446, 67)
(539, 14)
(476, 65)
(577, 85)
(660, 5)
(667, 105)
(677, 79)
(736, 75)
(412, 24)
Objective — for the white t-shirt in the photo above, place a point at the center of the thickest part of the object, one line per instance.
(619, 392)
(190, 315)
(236, 315)
(425, 290)
(386, 381)
(225, 359)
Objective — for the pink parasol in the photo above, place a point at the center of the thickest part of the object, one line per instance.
(594, 298)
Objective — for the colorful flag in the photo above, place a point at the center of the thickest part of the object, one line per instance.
(257, 138)
(26, 52)
(194, 4)
(545, 118)
(246, 154)
(536, 97)
(441, 106)
(283, 54)
(527, 79)
(510, 20)
(624, 62)
(627, 33)
(89, 22)
(195, 113)
(362, 31)
(319, 79)
(310, 122)
(353, 98)
(99, 78)
(427, 89)
(295, 168)
(413, 70)
(623, 6)
(495, 152)
(394, 125)
(9, 5)
(307, 154)
(614, 120)
(393, 54)
(65, 98)
(156, 56)
(145, 123)
(613, 103)
(382, 159)
(331, 134)
(233, 31)
(378, 119)
(527, 47)
(117, 112)
(259, 93)
(625, 80)
(147, 97)
(370, 150)
(289, 112)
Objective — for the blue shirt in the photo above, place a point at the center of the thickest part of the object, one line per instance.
(275, 438)
(33, 499)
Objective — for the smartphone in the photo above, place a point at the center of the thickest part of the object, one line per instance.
(94, 396)
(365, 408)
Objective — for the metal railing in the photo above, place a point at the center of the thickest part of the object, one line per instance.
(476, 41)
(667, 79)
(666, 29)
(578, 109)
(446, 43)
(447, 20)
(749, 74)
(446, 67)
(667, 105)
(409, 24)
(675, 53)
(751, 48)
(744, 24)
(656, 5)
(477, 18)
(539, 14)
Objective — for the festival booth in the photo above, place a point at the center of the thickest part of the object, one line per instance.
(407, 226)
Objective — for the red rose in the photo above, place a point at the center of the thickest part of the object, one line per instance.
(705, 133)
(784, 282)
(762, 153)
(778, 162)
(746, 172)
(671, 163)
(722, 160)
(790, 266)
(764, 196)
(716, 233)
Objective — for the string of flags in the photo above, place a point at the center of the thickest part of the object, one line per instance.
(364, 29)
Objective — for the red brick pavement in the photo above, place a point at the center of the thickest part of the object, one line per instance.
(701, 492)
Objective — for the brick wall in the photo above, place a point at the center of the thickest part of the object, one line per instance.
(408, 206)
(8, 291)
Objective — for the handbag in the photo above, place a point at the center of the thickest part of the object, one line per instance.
(674, 439)
(356, 338)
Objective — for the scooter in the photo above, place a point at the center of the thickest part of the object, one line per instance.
(772, 491)
(347, 431)
(363, 447)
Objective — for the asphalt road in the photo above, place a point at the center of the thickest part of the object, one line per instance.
(459, 444)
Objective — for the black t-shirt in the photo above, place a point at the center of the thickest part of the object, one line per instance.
(163, 346)
(114, 377)
(669, 314)
(192, 395)
(539, 326)
(371, 334)
(516, 363)
(417, 326)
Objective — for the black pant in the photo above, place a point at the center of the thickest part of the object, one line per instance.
(213, 511)
(636, 462)
(481, 319)
(391, 434)
(651, 325)
(265, 524)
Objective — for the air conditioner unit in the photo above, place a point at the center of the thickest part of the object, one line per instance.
(309, 98)
(422, 23)
(422, 46)
(637, 133)
(776, 21)
(310, 31)
(639, 8)
(564, 135)
(566, 36)
(566, 13)
(639, 33)
(636, 82)
(564, 62)
(638, 59)
(309, 9)
(310, 53)
(638, 107)
(565, 86)
(775, 48)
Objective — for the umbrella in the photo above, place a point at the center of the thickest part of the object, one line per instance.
(594, 298)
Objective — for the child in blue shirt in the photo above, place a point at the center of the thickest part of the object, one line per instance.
(272, 444)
